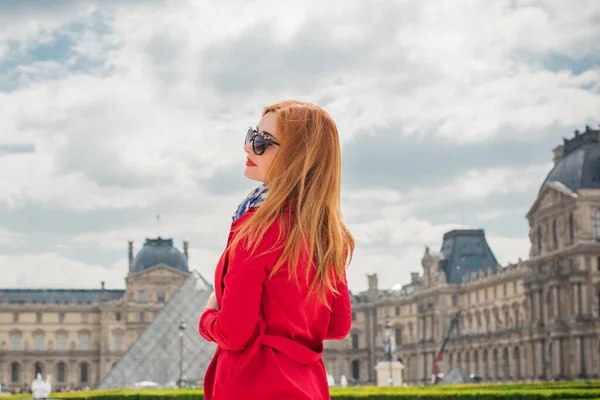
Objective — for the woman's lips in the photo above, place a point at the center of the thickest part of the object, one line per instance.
(249, 163)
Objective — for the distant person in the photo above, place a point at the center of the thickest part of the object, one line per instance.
(281, 286)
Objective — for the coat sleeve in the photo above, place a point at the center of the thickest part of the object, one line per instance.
(340, 321)
(233, 325)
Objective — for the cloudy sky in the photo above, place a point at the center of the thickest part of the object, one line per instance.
(112, 112)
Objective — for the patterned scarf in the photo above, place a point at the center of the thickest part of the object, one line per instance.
(253, 200)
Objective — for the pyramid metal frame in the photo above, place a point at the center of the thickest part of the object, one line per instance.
(155, 355)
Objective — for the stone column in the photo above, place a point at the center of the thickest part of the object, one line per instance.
(512, 364)
(557, 313)
(578, 356)
(538, 306)
(575, 298)
(538, 359)
(546, 311)
(541, 304)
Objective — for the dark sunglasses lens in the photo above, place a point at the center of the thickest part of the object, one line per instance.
(249, 135)
(260, 144)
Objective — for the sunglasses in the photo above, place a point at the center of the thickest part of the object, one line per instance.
(259, 141)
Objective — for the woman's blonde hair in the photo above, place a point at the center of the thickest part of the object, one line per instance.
(305, 176)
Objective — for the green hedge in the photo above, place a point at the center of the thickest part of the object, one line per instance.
(489, 391)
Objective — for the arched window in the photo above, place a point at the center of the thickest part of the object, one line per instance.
(505, 364)
(83, 372)
(356, 370)
(596, 224)
(15, 372)
(539, 240)
(554, 235)
(571, 229)
(486, 371)
(61, 369)
(38, 369)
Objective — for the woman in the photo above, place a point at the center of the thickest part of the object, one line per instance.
(280, 285)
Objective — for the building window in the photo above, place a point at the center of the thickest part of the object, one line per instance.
(354, 341)
(495, 292)
(61, 372)
(83, 373)
(38, 369)
(515, 287)
(506, 318)
(15, 340)
(61, 343)
(83, 341)
(118, 316)
(539, 239)
(454, 300)
(598, 261)
(38, 317)
(141, 296)
(160, 294)
(597, 224)
(141, 316)
(397, 311)
(38, 342)
(554, 235)
(505, 289)
(398, 336)
(61, 317)
(356, 370)
(84, 318)
(571, 229)
(118, 341)
(16, 317)
(353, 316)
(15, 372)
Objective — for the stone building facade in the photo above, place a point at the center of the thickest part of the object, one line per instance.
(76, 336)
(533, 320)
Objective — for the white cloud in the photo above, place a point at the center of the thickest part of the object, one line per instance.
(173, 85)
(54, 271)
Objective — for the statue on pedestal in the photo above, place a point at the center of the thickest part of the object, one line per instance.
(40, 388)
(343, 381)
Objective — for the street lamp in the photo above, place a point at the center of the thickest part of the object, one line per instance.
(182, 326)
(388, 348)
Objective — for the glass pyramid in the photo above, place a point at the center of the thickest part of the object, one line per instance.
(154, 357)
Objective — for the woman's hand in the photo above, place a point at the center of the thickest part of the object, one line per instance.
(212, 301)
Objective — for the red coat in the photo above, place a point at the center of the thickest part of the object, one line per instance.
(270, 339)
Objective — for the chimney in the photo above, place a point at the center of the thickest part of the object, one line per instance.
(373, 284)
(185, 249)
(414, 277)
(558, 154)
(130, 253)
